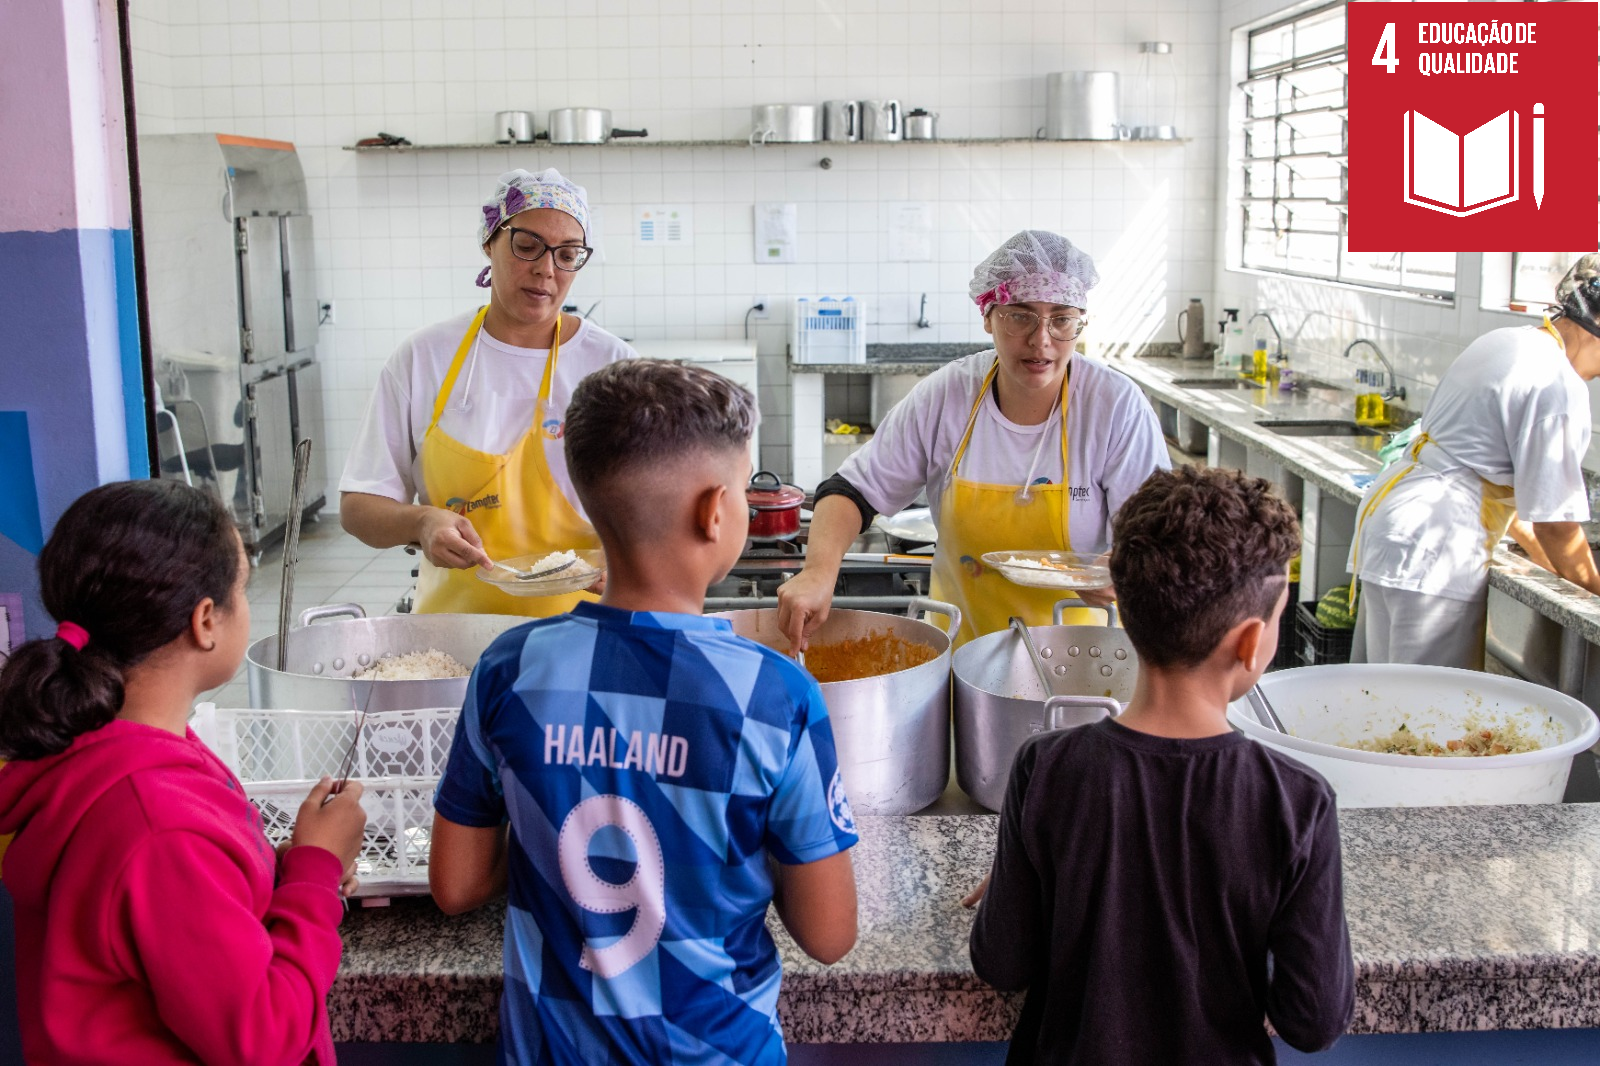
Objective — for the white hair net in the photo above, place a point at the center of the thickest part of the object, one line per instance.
(1034, 265)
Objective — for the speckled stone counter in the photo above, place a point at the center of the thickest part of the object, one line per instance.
(1332, 462)
(1469, 918)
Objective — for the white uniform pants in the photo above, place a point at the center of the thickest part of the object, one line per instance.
(1397, 626)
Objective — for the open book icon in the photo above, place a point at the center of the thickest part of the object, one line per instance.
(1461, 175)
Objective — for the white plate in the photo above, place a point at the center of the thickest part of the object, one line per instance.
(577, 577)
(1083, 571)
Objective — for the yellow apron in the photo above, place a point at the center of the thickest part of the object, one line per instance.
(1496, 511)
(512, 500)
(975, 517)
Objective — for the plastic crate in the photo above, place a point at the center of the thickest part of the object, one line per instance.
(828, 330)
(1288, 654)
(279, 754)
(1318, 643)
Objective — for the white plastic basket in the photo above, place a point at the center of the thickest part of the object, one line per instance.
(828, 330)
(279, 754)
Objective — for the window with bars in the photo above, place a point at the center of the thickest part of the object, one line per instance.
(1295, 162)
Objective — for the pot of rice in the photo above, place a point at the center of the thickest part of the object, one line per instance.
(886, 681)
(339, 659)
(1396, 735)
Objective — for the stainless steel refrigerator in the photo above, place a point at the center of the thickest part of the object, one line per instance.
(233, 321)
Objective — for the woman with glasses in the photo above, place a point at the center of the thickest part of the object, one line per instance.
(1022, 447)
(461, 451)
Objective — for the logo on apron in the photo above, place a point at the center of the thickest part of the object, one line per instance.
(554, 428)
(460, 506)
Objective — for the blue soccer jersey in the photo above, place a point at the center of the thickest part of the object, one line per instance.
(648, 765)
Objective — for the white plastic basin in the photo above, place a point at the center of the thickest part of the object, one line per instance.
(1324, 706)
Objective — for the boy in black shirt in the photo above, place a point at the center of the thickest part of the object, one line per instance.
(1160, 882)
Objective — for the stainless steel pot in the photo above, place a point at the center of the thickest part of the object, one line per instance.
(999, 702)
(322, 658)
(841, 120)
(585, 125)
(881, 120)
(785, 124)
(892, 732)
(921, 125)
(1082, 105)
(513, 127)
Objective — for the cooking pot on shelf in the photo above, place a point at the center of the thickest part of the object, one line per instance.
(785, 124)
(585, 125)
(999, 702)
(892, 731)
(322, 658)
(774, 507)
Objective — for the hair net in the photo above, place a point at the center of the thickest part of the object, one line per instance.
(1034, 265)
(1578, 294)
(518, 191)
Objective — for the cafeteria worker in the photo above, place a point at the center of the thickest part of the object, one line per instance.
(1500, 451)
(1023, 447)
(460, 451)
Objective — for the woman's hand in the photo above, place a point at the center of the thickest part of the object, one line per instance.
(973, 898)
(449, 541)
(1097, 597)
(803, 603)
(333, 824)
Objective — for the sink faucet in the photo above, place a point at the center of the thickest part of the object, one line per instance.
(1277, 354)
(922, 314)
(1394, 391)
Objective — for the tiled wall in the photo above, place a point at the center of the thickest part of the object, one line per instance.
(1422, 337)
(395, 245)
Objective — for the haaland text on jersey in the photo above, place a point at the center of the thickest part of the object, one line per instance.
(650, 753)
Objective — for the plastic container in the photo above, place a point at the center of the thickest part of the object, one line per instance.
(1326, 705)
(828, 330)
(1320, 645)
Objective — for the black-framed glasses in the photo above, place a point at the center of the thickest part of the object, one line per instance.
(1020, 322)
(530, 247)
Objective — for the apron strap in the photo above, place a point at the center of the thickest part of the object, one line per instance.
(462, 349)
(546, 382)
(972, 419)
(1549, 327)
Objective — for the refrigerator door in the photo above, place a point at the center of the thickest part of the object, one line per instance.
(299, 285)
(261, 296)
(271, 436)
(305, 400)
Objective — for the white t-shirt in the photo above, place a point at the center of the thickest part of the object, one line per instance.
(1510, 410)
(491, 407)
(1113, 437)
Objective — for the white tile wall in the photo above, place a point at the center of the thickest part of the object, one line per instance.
(395, 246)
(1318, 320)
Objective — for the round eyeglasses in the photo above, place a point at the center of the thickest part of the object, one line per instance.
(1020, 322)
(530, 247)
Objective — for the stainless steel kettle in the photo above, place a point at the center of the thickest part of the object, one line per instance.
(881, 120)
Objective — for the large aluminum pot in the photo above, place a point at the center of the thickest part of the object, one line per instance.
(1082, 105)
(785, 124)
(322, 658)
(585, 125)
(892, 732)
(1000, 703)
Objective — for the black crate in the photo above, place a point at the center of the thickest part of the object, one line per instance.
(1288, 633)
(1317, 643)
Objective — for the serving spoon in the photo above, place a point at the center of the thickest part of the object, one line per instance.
(531, 574)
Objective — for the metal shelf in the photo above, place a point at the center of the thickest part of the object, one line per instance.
(643, 142)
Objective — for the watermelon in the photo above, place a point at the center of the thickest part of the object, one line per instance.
(1333, 610)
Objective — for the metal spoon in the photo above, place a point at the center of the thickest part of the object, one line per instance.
(530, 574)
(1021, 629)
(1264, 712)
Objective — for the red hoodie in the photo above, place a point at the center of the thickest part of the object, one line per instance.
(148, 925)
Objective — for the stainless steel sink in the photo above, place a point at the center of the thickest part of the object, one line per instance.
(1319, 427)
(1216, 383)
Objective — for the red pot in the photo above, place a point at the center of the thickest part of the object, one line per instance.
(774, 507)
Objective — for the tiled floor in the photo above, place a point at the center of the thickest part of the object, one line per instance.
(334, 567)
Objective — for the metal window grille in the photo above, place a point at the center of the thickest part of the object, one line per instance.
(1295, 164)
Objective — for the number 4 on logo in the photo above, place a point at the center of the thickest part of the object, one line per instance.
(1383, 55)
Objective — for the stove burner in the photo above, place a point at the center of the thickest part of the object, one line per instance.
(773, 549)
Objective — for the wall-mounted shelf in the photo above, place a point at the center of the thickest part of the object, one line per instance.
(645, 142)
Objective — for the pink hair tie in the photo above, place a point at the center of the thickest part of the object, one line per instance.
(73, 634)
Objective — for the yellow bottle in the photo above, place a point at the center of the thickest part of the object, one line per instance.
(1258, 359)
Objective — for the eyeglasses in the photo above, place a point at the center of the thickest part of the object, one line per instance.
(530, 247)
(1019, 322)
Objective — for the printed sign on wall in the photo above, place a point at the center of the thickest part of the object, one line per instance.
(1472, 127)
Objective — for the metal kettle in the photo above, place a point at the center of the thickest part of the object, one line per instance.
(881, 120)
(920, 125)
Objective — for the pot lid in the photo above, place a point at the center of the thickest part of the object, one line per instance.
(768, 491)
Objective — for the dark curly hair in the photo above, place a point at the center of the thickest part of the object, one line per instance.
(128, 562)
(1194, 553)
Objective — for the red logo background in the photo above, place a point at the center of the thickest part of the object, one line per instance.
(1557, 70)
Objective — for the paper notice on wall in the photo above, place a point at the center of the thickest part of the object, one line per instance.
(777, 229)
(663, 224)
(910, 232)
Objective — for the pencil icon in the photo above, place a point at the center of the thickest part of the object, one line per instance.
(1538, 155)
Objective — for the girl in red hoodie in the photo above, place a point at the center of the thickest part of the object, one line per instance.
(154, 922)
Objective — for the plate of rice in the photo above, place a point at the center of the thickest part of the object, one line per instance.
(548, 573)
(1051, 570)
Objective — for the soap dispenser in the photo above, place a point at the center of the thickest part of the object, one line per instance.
(1231, 352)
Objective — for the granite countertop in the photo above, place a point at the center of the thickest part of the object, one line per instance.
(916, 358)
(1332, 462)
(1460, 918)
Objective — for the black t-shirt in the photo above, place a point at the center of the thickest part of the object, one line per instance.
(1157, 897)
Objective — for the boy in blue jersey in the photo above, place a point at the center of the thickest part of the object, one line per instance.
(640, 781)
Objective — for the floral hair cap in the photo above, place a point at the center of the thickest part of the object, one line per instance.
(518, 191)
(1034, 266)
